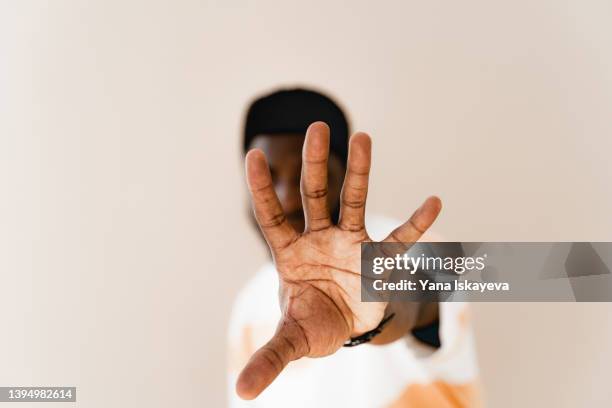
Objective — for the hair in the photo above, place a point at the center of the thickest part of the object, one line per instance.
(292, 111)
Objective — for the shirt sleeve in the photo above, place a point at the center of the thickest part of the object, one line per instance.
(252, 322)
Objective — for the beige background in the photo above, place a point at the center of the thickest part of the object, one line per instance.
(123, 231)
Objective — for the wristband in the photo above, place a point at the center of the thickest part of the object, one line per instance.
(369, 335)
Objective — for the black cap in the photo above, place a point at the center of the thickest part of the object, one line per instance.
(292, 111)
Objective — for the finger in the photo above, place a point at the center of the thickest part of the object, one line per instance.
(266, 364)
(314, 177)
(268, 211)
(421, 220)
(355, 188)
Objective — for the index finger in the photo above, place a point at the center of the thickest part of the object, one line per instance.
(268, 211)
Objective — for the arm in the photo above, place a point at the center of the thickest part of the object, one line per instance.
(420, 319)
(409, 316)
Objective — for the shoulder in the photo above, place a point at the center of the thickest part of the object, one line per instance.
(379, 226)
(254, 315)
(257, 301)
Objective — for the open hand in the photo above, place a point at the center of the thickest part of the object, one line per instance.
(319, 269)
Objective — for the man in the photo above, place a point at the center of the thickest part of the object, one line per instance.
(310, 207)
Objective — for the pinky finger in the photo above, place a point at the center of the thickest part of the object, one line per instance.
(419, 222)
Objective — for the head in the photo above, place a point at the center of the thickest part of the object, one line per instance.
(276, 124)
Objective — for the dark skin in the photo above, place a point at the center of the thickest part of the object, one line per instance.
(284, 155)
(292, 189)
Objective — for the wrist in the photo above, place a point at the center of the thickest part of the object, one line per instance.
(408, 316)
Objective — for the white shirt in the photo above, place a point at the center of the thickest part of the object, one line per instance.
(405, 373)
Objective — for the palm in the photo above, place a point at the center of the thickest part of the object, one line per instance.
(319, 270)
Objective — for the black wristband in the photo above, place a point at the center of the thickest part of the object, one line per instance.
(369, 335)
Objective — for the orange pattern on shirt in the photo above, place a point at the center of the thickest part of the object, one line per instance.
(439, 394)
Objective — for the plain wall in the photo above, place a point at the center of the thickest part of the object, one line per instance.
(123, 227)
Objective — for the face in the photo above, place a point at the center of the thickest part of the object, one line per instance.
(284, 155)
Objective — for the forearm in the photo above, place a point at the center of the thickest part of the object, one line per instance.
(407, 317)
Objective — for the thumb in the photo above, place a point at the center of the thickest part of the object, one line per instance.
(289, 343)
